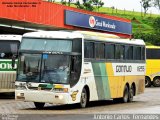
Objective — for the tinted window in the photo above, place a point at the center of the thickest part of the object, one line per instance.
(129, 52)
(89, 50)
(8, 48)
(109, 51)
(153, 53)
(137, 53)
(43, 44)
(99, 50)
(119, 53)
(143, 53)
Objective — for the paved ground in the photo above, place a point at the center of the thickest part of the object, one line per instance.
(147, 103)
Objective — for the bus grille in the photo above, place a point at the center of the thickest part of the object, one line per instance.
(7, 80)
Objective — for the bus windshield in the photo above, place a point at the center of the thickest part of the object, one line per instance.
(44, 68)
(37, 44)
(8, 48)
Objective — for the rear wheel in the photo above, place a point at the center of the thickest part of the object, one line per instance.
(39, 105)
(131, 94)
(156, 82)
(84, 98)
(147, 82)
(125, 97)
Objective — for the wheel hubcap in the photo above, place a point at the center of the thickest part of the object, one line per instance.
(157, 81)
(83, 98)
(146, 82)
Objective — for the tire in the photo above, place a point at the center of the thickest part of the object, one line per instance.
(131, 94)
(147, 82)
(125, 97)
(156, 82)
(39, 105)
(84, 98)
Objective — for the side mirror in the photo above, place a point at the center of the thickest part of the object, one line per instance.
(2, 55)
(13, 61)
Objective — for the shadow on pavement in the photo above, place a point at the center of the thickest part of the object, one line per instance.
(7, 95)
(76, 106)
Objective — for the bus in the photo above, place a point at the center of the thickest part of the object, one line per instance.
(152, 66)
(9, 45)
(68, 67)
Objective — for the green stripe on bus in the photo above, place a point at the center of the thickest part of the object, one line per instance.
(6, 66)
(105, 81)
(98, 80)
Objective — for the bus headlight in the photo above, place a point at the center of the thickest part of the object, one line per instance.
(60, 97)
(20, 96)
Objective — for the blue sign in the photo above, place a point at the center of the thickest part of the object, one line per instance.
(45, 56)
(97, 23)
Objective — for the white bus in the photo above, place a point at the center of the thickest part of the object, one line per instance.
(60, 67)
(8, 47)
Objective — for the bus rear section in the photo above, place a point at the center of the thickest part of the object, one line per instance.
(9, 45)
(153, 66)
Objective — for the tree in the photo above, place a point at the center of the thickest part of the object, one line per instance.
(145, 4)
(156, 3)
(89, 4)
(80, 6)
(64, 2)
(98, 3)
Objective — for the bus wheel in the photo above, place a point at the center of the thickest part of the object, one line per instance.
(131, 94)
(84, 97)
(39, 105)
(125, 97)
(156, 82)
(147, 82)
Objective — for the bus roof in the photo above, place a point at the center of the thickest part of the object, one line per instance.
(10, 37)
(152, 47)
(83, 34)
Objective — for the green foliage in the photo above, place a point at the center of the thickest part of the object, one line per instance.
(148, 37)
(90, 5)
(63, 2)
(156, 25)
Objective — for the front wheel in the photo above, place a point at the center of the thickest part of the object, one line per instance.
(39, 105)
(84, 98)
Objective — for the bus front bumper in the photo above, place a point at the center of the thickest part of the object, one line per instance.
(42, 96)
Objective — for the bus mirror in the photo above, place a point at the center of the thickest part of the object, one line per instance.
(13, 61)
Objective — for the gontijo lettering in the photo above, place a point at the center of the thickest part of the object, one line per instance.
(123, 68)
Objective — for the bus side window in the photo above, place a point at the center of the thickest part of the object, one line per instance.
(143, 53)
(137, 53)
(89, 50)
(99, 50)
(119, 52)
(109, 51)
(75, 69)
(129, 52)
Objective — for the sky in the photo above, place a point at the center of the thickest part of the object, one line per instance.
(128, 5)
